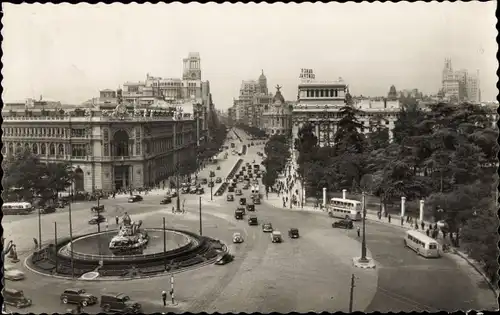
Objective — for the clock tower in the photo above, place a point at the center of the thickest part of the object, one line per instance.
(192, 69)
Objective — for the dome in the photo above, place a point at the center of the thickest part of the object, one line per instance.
(278, 97)
(262, 77)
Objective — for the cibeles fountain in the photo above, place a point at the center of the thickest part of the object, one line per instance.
(130, 251)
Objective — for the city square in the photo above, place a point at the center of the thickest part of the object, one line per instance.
(153, 198)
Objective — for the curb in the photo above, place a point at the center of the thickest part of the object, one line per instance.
(369, 265)
(478, 270)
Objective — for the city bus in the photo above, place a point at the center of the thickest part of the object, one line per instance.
(344, 209)
(422, 244)
(17, 208)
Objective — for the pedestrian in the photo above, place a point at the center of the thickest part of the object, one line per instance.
(36, 243)
(422, 225)
(173, 209)
(416, 226)
(389, 218)
(402, 220)
(114, 194)
(164, 297)
(116, 220)
(427, 232)
(358, 231)
(379, 215)
(444, 234)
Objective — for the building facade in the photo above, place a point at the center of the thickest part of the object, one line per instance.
(319, 103)
(459, 85)
(110, 145)
(277, 117)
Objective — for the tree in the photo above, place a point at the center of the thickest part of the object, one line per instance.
(277, 154)
(480, 239)
(305, 143)
(349, 136)
(409, 116)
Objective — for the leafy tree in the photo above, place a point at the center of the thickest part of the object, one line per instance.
(277, 153)
(306, 143)
(409, 116)
(480, 239)
(349, 135)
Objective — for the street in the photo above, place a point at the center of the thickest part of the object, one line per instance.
(311, 273)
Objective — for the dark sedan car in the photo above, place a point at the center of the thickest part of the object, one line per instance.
(227, 258)
(135, 198)
(218, 180)
(343, 224)
(78, 296)
(293, 233)
(97, 219)
(166, 200)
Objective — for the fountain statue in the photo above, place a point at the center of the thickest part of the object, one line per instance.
(130, 239)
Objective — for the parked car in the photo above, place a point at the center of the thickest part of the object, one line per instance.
(135, 198)
(293, 233)
(267, 227)
(97, 219)
(99, 208)
(119, 302)
(204, 181)
(237, 238)
(15, 298)
(210, 184)
(47, 209)
(78, 296)
(243, 200)
(13, 274)
(218, 180)
(252, 220)
(200, 191)
(230, 197)
(166, 200)
(344, 224)
(276, 237)
(193, 190)
(225, 259)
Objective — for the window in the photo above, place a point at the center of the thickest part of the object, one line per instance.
(60, 149)
(78, 150)
(78, 133)
(35, 148)
(52, 149)
(43, 149)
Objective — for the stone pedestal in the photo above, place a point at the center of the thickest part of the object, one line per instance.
(403, 200)
(421, 214)
(344, 193)
(368, 264)
(324, 196)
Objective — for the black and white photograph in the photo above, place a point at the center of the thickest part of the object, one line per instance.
(257, 158)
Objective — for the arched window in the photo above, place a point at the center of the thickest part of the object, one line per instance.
(34, 148)
(52, 149)
(120, 143)
(43, 149)
(11, 148)
(60, 149)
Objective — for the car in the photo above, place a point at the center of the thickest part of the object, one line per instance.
(218, 168)
(246, 186)
(344, 224)
(166, 200)
(173, 194)
(15, 298)
(185, 190)
(78, 296)
(240, 179)
(237, 238)
(97, 219)
(204, 181)
(243, 169)
(200, 191)
(238, 192)
(193, 190)
(99, 208)
(267, 227)
(229, 197)
(211, 184)
(293, 233)
(252, 220)
(250, 207)
(238, 214)
(13, 274)
(224, 259)
(218, 180)
(243, 201)
(134, 198)
(47, 209)
(119, 302)
(256, 200)
(230, 189)
(276, 237)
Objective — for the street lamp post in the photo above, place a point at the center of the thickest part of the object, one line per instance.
(178, 203)
(39, 229)
(212, 175)
(363, 242)
(201, 226)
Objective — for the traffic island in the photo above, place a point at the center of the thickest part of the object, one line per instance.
(367, 263)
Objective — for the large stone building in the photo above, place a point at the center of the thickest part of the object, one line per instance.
(460, 85)
(252, 99)
(277, 117)
(319, 103)
(110, 144)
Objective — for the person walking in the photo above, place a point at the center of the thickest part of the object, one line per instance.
(117, 220)
(427, 232)
(358, 231)
(422, 225)
(164, 297)
(389, 218)
(402, 221)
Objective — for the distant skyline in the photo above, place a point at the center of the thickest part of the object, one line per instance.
(70, 52)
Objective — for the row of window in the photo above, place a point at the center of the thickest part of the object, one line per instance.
(322, 93)
(52, 149)
(42, 132)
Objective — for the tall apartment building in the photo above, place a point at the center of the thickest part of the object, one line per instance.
(459, 85)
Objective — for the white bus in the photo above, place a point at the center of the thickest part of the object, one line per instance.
(17, 208)
(344, 208)
(421, 244)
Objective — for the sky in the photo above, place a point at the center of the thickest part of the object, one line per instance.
(69, 52)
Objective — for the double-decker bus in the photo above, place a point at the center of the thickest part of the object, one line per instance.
(344, 209)
(17, 208)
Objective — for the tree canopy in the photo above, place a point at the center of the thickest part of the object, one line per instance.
(253, 131)
(277, 152)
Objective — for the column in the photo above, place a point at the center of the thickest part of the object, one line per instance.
(316, 131)
(324, 196)
(403, 200)
(344, 193)
(421, 217)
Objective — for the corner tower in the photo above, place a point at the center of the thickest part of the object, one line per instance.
(192, 67)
